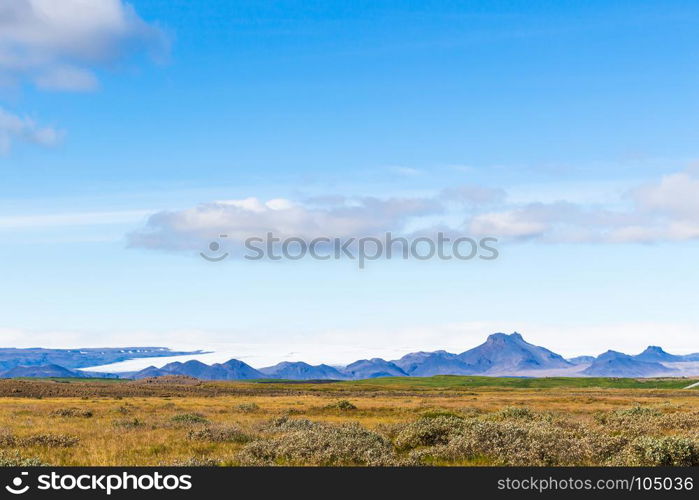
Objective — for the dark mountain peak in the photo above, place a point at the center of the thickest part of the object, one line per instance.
(373, 368)
(285, 364)
(298, 370)
(611, 354)
(504, 338)
(235, 363)
(502, 353)
(193, 362)
(656, 353)
(41, 371)
(617, 364)
(579, 360)
(232, 369)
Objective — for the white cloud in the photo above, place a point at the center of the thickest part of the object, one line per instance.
(66, 78)
(661, 211)
(193, 228)
(16, 128)
(57, 44)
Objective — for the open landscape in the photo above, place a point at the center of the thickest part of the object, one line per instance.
(443, 420)
(262, 245)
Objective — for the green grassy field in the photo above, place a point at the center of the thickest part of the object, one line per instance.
(448, 381)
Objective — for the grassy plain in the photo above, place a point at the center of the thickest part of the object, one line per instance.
(444, 420)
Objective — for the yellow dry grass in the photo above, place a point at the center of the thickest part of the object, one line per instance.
(141, 430)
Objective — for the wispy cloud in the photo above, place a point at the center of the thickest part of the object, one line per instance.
(660, 211)
(404, 171)
(24, 129)
(71, 219)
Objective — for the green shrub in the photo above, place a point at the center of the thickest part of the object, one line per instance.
(189, 418)
(14, 459)
(71, 412)
(429, 431)
(49, 440)
(515, 413)
(662, 451)
(128, 423)
(507, 442)
(194, 462)
(342, 405)
(323, 445)
(247, 407)
(286, 424)
(229, 434)
(638, 411)
(441, 413)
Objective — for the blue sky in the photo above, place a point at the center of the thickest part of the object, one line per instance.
(578, 119)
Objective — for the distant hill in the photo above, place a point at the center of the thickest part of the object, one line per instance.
(581, 360)
(617, 364)
(426, 364)
(500, 355)
(44, 371)
(302, 371)
(230, 370)
(373, 368)
(80, 358)
(653, 353)
(508, 354)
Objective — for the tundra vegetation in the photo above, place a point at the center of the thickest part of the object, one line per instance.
(424, 422)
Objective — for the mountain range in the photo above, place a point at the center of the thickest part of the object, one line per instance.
(500, 355)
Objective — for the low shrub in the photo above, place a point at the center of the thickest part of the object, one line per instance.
(7, 439)
(194, 462)
(247, 407)
(128, 423)
(16, 460)
(229, 434)
(661, 451)
(441, 413)
(429, 431)
(323, 445)
(189, 418)
(342, 405)
(71, 412)
(515, 413)
(286, 424)
(515, 443)
(49, 440)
